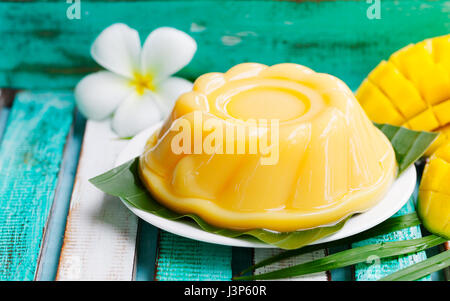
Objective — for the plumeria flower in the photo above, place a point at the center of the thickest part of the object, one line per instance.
(137, 88)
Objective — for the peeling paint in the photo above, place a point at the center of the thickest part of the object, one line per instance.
(247, 33)
(197, 27)
(230, 40)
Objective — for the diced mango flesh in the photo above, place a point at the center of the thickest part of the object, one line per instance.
(441, 50)
(434, 210)
(418, 65)
(401, 91)
(438, 172)
(377, 105)
(443, 152)
(438, 142)
(425, 121)
(434, 193)
(412, 89)
(442, 112)
(416, 82)
(444, 136)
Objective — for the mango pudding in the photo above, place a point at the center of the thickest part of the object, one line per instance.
(309, 155)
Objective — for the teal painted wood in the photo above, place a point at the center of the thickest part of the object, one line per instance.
(341, 274)
(376, 268)
(4, 113)
(147, 245)
(185, 259)
(49, 50)
(241, 259)
(56, 225)
(30, 158)
(439, 275)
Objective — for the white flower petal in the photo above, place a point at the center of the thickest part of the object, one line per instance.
(167, 50)
(136, 113)
(99, 94)
(170, 89)
(118, 49)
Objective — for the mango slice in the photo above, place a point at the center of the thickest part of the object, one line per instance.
(434, 193)
(416, 82)
(434, 210)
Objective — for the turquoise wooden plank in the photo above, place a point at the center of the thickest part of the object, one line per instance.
(181, 258)
(341, 274)
(438, 275)
(4, 113)
(376, 268)
(147, 244)
(56, 225)
(6, 97)
(241, 258)
(49, 50)
(30, 158)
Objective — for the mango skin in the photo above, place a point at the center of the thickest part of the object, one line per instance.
(412, 89)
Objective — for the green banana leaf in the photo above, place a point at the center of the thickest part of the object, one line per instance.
(124, 182)
(408, 145)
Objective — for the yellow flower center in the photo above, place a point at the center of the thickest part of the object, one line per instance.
(142, 82)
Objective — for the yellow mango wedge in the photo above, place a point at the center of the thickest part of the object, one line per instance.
(412, 89)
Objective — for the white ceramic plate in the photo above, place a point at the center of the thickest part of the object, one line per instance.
(397, 196)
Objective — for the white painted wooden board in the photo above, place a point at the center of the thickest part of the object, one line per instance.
(100, 236)
(261, 254)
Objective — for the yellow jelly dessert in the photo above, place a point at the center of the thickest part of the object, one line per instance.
(281, 148)
(412, 89)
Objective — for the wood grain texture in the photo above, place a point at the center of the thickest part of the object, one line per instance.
(147, 248)
(181, 258)
(4, 114)
(6, 97)
(330, 36)
(100, 236)
(30, 158)
(376, 268)
(341, 274)
(241, 259)
(261, 254)
(51, 246)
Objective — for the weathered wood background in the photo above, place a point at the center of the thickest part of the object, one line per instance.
(48, 50)
(42, 182)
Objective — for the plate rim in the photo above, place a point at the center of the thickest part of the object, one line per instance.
(406, 182)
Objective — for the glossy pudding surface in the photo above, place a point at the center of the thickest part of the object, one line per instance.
(281, 148)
